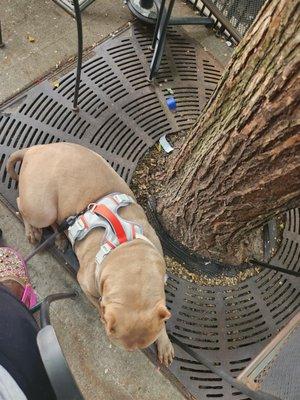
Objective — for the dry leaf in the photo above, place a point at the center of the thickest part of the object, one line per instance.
(31, 39)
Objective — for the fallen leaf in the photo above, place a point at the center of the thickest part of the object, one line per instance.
(31, 39)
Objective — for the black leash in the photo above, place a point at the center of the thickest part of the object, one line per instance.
(275, 268)
(254, 395)
(61, 228)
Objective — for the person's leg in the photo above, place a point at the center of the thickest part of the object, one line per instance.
(19, 353)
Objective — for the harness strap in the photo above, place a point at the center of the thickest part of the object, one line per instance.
(104, 214)
(103, 211)
(106, 248)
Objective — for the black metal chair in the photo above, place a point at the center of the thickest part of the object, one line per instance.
(68, 6)
(58, 371)
(162, 19)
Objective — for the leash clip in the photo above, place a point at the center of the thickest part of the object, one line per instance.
(91, 207)
(71, 220)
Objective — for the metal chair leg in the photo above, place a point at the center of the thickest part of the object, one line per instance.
(157, 25)
(45, 306)
(57, 368)
(79, 55)
(160, 38)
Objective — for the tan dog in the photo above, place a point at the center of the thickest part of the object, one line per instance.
(59, 180)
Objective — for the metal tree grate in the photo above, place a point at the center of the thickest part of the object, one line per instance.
(232, 324)
(121, 115)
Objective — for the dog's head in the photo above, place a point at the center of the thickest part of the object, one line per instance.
(133, 330)
(133, 298)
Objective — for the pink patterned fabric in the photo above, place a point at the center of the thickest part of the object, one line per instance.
(12, 266)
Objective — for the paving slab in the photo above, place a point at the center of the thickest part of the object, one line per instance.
(40, 35)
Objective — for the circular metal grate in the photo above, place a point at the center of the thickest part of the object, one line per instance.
(231, 324)
(121, 115)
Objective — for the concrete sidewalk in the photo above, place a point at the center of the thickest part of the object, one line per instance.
(103, 371)
(39, 36)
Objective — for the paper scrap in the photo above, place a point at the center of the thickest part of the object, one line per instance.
(165, 144)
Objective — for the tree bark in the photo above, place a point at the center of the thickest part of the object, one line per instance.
(240, 165)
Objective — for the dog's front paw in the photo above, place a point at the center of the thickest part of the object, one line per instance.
(165, 349)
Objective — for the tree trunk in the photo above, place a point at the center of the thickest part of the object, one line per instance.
(241, 162)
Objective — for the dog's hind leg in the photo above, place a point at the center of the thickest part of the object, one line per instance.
(33, 235)
(36, 215)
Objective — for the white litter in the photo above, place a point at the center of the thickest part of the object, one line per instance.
(165, 144)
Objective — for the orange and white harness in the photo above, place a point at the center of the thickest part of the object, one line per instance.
(104, 214)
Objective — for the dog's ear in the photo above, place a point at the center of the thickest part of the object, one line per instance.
(110, 321)
(163, 313)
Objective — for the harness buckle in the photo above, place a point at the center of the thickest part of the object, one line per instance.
(91, 207)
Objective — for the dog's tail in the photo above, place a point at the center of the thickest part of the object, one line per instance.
(13, 159)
